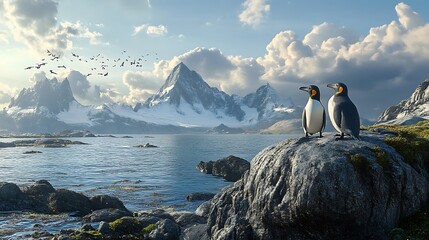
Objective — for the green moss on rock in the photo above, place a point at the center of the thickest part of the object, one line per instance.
(359, 162)
(149, 228)
(88, 235)
(126, 225)
(382, 158)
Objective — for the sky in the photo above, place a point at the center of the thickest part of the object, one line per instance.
(380, 49)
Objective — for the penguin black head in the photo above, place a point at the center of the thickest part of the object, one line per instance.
(340, 88)
(313, 91)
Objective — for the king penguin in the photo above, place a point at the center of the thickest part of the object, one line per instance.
(343, 113)
(313, 115)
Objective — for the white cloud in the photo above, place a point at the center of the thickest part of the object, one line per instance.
(6, 93)
(254, 12)
(84, 91)
(4, 37)
(153, 31)
(34, 23)
(141, 85)
(407, 17)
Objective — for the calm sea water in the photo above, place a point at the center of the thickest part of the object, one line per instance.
(143, 178)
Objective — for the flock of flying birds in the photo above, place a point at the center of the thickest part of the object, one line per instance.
(100, 64)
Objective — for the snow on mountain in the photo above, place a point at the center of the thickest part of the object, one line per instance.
(409, 110)
(185, 101)
(186, 93)
(52, 95)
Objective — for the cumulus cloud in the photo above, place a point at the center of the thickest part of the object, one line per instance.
(84, 91)
(254, 12)
(34, 22)
(389, 59)
(6, 93)
(141, 85)
(153, 31)
(380, 68)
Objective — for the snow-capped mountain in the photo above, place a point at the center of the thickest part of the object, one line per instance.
(186, 89)
(184, 103)
(413, 109)
(50, 95)
(186, 99)
(268, 103)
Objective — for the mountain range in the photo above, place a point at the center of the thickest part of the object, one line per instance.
(184, 103)
(411, 110)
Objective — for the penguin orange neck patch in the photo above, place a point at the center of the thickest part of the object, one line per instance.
(340, 89)
(313, 92)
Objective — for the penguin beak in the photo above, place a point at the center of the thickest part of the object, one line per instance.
(331, 85)
(304, 89)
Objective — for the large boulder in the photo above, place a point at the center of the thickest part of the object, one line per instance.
(318, 188)
(63, 200)
(39, 188)
(230, 168)
(105, 201)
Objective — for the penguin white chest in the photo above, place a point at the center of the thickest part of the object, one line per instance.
(331, 110)
(314, 116)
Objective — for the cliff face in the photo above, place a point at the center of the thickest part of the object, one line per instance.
(318, 188)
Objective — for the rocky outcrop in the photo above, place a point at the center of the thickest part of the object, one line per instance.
(230, 168)
(41, 197)
(409, 110)
(318, 188)
(147, 145)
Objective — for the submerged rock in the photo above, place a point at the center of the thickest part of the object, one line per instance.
(31, 152)
(147, 145)
(199, 196)
(63, 200)
(230, 168)
(318, 188)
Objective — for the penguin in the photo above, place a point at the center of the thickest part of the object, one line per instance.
(313, 115)
(343, 113)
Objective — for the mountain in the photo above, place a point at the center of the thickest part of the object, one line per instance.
(50, 106)
(185, 88)
(52, 95)
(186, 99)
(185, 103)
(410, 110)
(223, 129)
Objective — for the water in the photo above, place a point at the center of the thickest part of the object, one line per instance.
(143, 178)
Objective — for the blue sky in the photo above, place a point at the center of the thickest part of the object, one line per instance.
(235, 45)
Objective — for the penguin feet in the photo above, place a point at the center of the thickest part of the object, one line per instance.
(339, 138)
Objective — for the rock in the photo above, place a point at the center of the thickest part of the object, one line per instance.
(318, 188)
(205, 167)
(166, 229)
(230, 168)
(31, 152)
(106, 201)
(147, 145)
(108, 215)
(87, 227)
(9, 191)
(62, 201)
(126, 225)
(104, 228)
(187, 219)
(204, 209)
(199, 196)
(198, 231)
(39, 188)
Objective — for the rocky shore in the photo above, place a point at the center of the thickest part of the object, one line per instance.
(306, 188)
